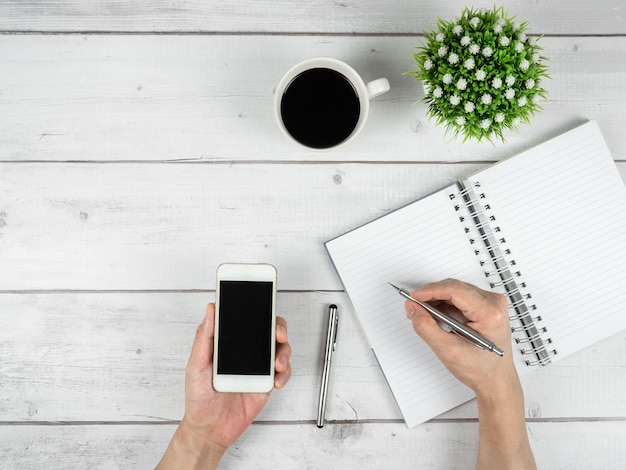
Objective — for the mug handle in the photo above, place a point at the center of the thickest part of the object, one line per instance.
(377, 87)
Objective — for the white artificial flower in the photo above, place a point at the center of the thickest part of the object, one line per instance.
(524, 64)
(447, 79)
(521, 37)
(499, 118)
(474, 49)
(443, 50)
(458, 29)
(496, 83)
(440, 37)
(500, 21)
(530, 83)
(505, 41)
(474, 21)
(469, 107)
(480, 75)
(461, 84)
(487, 51)
(428, 64)
(522, 101)
(465, 41)
(438, 92)
(454, 100)
(486, 99)
(469, 64)
(536, 57)
(497, 28)
(485, 123)
(519, 47)
(510, 80)
(453, 58)
(509, 94)
(460, 120)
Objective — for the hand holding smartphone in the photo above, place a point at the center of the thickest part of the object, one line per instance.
(245, 328)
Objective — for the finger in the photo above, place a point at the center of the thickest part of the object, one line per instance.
(426, 326)
(202, 348)
(281, 330)
(283, 355)
(439, 341)
(281, 378)
(449, 310)
(471, 302)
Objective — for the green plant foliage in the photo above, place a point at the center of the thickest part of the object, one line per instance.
(482, 75)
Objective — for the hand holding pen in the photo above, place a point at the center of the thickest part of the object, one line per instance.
(487, 315)
(450, 324)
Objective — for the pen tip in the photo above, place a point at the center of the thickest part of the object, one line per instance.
(395, 287)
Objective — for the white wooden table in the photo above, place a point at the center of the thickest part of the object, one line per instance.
(138, 150)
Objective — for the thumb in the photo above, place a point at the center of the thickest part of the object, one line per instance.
(202, 348)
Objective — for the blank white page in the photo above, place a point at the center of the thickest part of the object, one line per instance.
(561, 207)
(419, 243)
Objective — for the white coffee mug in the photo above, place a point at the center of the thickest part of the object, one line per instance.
(322, 103)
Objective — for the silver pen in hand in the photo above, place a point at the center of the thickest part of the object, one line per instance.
(459, 328)
(331, 341)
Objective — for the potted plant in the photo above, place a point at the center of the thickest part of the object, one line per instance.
(481, 74)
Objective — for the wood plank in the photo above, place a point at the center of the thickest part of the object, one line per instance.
(398, 17)
(453, 446)
(209, 98)
(167, 226)
(120, 357)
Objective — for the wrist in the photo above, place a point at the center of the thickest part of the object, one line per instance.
(504, 390)
(503, 438)
(501, 404)
(195, 449)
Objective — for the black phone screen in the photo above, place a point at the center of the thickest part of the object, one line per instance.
(245, 328)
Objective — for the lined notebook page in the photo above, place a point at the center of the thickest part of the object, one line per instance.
(417, 244)
(562, 209)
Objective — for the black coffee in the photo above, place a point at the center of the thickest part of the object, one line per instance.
(320, 108)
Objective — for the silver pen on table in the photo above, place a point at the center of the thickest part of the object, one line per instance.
(458, 328)
(331, 342)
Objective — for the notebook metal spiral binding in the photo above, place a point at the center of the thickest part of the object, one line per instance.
(529, 333)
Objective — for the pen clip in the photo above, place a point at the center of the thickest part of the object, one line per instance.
(334, 312)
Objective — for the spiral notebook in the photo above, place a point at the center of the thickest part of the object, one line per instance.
(546, 227)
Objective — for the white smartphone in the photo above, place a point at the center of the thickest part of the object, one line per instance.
(245, 328)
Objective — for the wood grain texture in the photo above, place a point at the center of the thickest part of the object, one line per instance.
(120, 357)
(210, 98)
(166, 226)
(453, 446)
(294, 16)
(108, 250)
